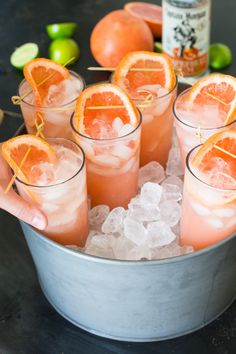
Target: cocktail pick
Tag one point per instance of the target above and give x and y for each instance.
(146, 103)
(98, 68)
(17, 99)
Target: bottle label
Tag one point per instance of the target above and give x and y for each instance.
(186, 37)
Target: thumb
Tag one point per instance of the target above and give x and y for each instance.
(23, 210)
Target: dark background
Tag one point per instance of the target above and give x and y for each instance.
(28, 324)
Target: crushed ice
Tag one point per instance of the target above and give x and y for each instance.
(149, 228)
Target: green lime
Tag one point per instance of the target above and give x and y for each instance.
(23, 54)
(61, 30)
(157, 47)
(220, 56)
(63, 49)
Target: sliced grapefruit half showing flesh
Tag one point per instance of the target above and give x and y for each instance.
(150, 13)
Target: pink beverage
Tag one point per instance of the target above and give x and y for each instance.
(197, 122)
(112, 161)
(57, 108)
(157, 125)
(209, 203)
(60, 191)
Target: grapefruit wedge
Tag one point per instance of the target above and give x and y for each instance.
(90, 122)
(30, 149)
(132, 80)
(42, 73)
(216, 160)
(150, 13)
(216, 88)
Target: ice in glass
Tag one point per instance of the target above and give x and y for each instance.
(209, 200)
(60, 191)
(110, 138)
(150, 81)
(57, 106)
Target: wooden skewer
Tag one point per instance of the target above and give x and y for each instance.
(94, 68)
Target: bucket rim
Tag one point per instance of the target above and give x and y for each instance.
(103, 260)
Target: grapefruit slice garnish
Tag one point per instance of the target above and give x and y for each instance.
(30, 149)
(89, 122)
(216, 162)
(150, 13)
(216, 88)
(46, 71)
(132, 80)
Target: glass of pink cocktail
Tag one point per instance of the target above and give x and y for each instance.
(111, 141)
(209, 199)
(56, 104)
(150, 81)
(59, 190)
(203, 110)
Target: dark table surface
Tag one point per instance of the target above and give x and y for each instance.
(28, 324)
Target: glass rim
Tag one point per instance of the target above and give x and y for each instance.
(191, 126)
(106, 139)
(156, 98)
(47, 108)
(189, 169)
(68, 179)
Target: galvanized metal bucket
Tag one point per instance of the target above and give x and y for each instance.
(136, 300)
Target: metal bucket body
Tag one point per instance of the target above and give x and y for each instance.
(136, 300)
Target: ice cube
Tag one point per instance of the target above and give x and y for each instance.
(121, 247)
(143, 211)
(223, 212)
(98, 215)
(62, 219)
(151, 172)
(141, 252)
(122, 151)
(216, 223)
(170, 212)
(100, 245)
(171, 250)
(114, 221)
(174, 180)
(171, 192)
(200, 209)
(147, 118)
(49, 207)
(174, 165)
(107, 160)
(117, 124)
(134, 231)
(159, 234)
(42, 174)
(151, 193)
(125, 130)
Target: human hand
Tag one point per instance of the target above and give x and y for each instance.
(15, 204)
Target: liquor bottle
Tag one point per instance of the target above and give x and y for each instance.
(186, 35)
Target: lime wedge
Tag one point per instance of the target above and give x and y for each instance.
(23, 54)
(63, 49)
(220, 56)
(157, 47)
(61, 30)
